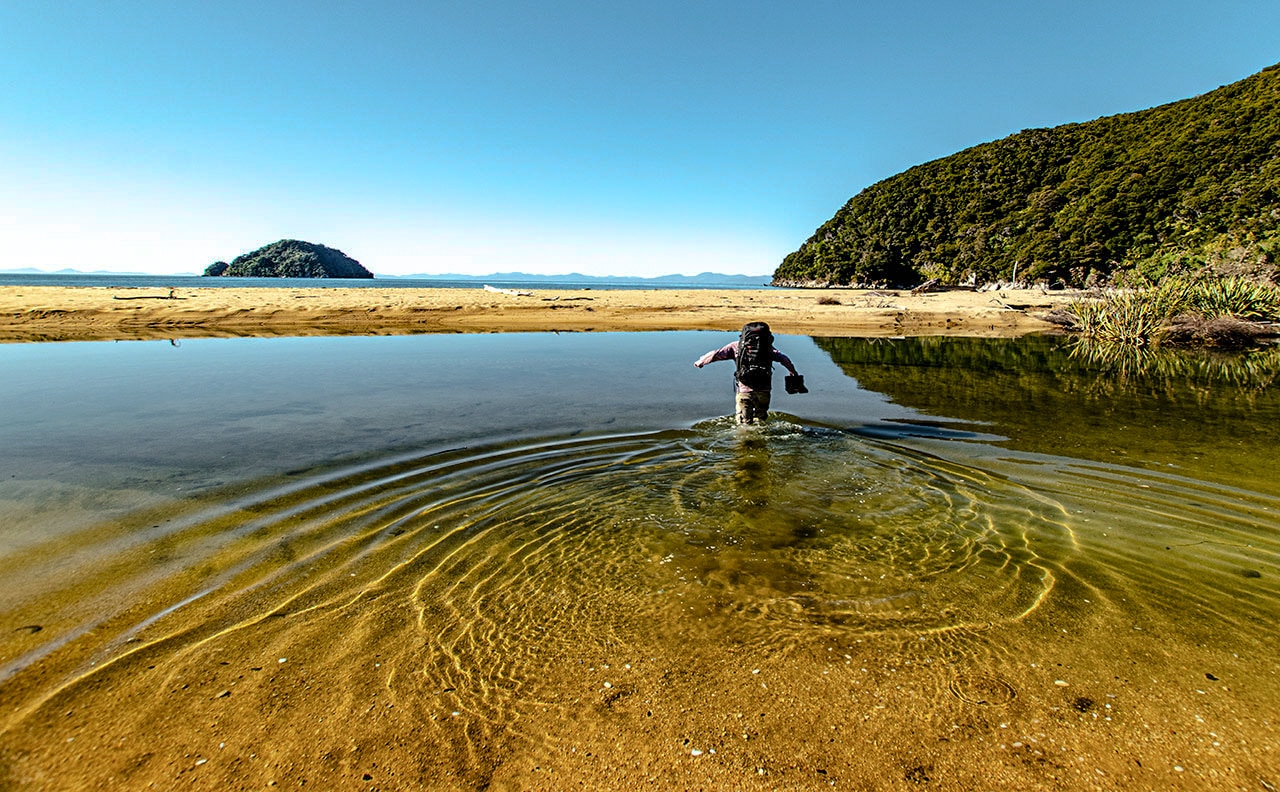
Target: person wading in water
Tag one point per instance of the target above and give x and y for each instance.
(755, 354)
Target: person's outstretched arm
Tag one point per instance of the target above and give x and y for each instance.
(785, 361)
(726, 352)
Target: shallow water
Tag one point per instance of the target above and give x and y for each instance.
(539, 561)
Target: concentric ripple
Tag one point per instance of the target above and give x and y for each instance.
(982, 690)
(483, 592)
(523, 552)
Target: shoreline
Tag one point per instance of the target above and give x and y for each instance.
(74, 313)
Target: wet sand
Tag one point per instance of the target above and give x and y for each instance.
(51, 313)
(358, 673)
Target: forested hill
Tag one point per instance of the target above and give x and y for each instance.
(291, 258)
(1175, 188)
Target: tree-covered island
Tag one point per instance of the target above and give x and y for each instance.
(291, 258)
(1178, 189)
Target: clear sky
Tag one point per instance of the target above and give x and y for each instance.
(636, 138)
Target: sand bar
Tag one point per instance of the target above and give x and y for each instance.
(57, 313)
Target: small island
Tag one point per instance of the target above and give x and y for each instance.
(290, 258)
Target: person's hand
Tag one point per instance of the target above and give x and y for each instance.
(697, 364)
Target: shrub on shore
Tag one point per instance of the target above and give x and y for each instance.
(1226, 312)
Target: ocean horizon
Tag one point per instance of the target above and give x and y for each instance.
(510, 280)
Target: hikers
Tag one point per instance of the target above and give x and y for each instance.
(754, 353)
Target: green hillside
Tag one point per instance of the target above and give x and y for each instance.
(1176, 188)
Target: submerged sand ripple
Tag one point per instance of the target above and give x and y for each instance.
(678, 610)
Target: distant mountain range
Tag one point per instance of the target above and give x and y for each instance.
(701, 279)
(705, 279)
(34, 271)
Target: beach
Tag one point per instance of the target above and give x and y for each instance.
(55, 313)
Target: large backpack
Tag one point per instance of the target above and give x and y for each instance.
(755, 356)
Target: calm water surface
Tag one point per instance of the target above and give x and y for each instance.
(543, 561)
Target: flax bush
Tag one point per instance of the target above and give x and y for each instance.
(1143, 316)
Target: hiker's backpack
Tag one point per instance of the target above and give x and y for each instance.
(755, 356)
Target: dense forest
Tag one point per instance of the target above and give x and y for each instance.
(291, 258)
(1175, 189)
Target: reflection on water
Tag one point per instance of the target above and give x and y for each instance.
(1204, 415)
(875, 605)
(1253, 369)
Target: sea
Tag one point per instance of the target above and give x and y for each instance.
(502, 281)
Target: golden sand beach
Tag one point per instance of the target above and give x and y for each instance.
(48, 313)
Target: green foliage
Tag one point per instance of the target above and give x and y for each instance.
(1242, 299)
(1142, 317)
(291, 258)
(1128, 317)
(1170, 190)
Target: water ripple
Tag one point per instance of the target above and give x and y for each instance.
(463, 583)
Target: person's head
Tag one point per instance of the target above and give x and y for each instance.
(757, 328)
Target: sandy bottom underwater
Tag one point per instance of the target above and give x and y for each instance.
(621, 613)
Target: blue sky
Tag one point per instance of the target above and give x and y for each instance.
(553, 137)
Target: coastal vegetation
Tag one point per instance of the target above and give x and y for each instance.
(1230, 312)
(291, 258)
(1183, 188)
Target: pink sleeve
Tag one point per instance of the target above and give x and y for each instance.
(726, 352)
